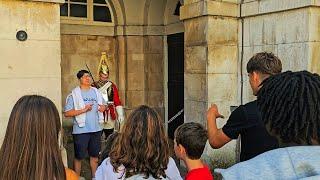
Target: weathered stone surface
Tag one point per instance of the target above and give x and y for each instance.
(155, 98)
(135, 98)
(194, 111)
(222, 31)
(74, 44)
(121, 40)
(314, 57)
(274, 5)
(222, 59)
(288, 30)
(72, 63)
(222, 90)
(18, 59)
(196, 31)
(154, 63)
(122, 71)
(212, 8)
(222, 87)
(84, 29)
(174, 28)
(136, 81)
(195, 87)
(196, 59)
(192, 10)
(153, 44)
(12, 91)
(225, 8)
(314, 31)
(264, 29)
(40, 20)
(155, 81)
(294, 56)
(135, 44)
(231, 1)
(102, 44)
(135, 62)
(190, 1)
(250, 8)
(122, 97)
(255, 7)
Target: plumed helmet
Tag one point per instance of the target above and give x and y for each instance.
(103, 65)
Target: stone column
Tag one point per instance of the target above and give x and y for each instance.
(31, 66)
(141, 71)
(211, 52)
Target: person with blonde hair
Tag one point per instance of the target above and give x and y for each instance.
(30, 148)
(140, 151)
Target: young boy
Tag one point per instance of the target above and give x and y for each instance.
(189, 142)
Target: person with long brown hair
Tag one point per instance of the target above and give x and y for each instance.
(140, 151)
(30, 149)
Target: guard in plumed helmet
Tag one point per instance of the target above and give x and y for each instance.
(114, 114)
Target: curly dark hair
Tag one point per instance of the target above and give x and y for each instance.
(142, 146)
(290, 106)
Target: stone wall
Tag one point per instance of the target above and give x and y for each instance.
(31, 66)
(289, 29)
(143, 63)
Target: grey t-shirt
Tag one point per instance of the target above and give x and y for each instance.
(92, 117)
(297, 162)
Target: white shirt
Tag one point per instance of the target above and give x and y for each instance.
(105, 172)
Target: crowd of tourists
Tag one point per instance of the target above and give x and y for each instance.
(280, 132)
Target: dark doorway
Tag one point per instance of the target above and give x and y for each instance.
(175, 81)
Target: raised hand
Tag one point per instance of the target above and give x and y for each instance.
(213, 112)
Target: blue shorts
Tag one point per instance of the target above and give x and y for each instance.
(90, 142)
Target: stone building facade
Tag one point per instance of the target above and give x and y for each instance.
(136, 40)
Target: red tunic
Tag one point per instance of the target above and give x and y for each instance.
(112, 96)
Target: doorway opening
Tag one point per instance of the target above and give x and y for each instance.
(175, 82)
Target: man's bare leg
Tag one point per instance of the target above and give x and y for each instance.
(93, 165)
(77, 166)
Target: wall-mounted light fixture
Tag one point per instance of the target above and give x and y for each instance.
(22, 35)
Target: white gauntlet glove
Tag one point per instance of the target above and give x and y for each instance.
(120, 113)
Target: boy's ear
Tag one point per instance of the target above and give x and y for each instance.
(182, 149)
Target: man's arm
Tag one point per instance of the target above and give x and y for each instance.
(73, 112)
(216, 136)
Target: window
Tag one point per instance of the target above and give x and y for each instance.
(86, 11)
(101, 11)
(74, 8)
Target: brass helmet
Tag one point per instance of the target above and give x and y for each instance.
(103, 65)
